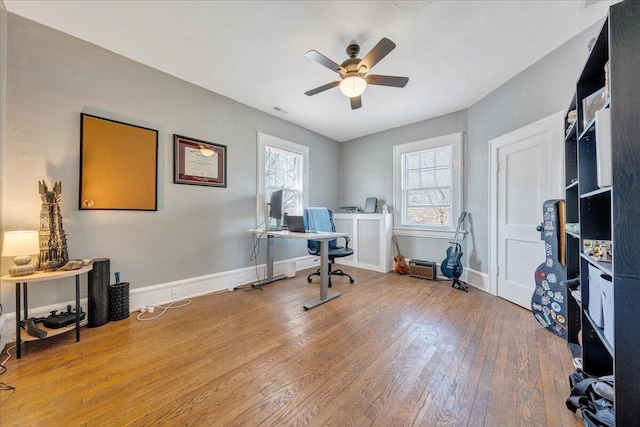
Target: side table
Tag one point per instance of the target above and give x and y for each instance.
(21, 282)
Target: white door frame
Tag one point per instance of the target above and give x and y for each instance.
(554, 122)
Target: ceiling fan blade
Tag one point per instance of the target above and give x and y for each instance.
(322, 88)
(356, 102)
(394, 81)
(323, 60)
(378, 52)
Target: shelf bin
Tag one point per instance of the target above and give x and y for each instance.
(595, 296)
(606, 286)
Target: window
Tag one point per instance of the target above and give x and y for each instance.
(282, 165)
(428, 186)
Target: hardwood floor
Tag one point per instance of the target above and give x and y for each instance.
(391, 351)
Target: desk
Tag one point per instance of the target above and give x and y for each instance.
(42, 277)
(320, 236)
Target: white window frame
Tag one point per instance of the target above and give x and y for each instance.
(455, 140)
(265, 140)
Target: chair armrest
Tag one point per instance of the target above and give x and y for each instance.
(346, 241)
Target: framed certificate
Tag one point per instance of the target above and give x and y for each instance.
(198, 162)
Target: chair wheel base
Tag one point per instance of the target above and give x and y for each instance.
(338, 272)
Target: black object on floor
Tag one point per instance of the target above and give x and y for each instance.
(459, 284)
(119, 301)
(98, 296)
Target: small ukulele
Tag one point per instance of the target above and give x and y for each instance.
(400, 265)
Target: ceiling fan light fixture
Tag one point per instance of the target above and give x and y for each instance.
(206, 152)
(353, 86)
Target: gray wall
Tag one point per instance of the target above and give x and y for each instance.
(539, 91)
(366, 170)
(52, 78)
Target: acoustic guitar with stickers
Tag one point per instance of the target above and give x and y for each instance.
(549, 300)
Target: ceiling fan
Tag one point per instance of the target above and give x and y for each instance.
(354, 71)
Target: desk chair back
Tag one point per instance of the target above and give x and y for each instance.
(319, 219)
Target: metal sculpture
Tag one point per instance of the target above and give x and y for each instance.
(53, 240)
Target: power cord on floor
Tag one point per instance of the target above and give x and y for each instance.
(7, 359)
(3, 369)
(164, 310)
(254, 257)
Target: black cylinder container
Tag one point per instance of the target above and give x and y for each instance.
(98, 293)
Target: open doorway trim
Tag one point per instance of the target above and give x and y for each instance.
(553, 122)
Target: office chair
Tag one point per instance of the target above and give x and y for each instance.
(321, 219)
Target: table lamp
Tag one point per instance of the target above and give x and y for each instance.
(21, 245)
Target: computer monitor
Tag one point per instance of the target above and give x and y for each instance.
(273, 209)
(275, 205)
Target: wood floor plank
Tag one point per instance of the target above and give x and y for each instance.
(391, 351)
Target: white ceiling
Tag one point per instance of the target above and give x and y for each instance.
(454, 52)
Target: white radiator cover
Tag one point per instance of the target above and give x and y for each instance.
(370, 236)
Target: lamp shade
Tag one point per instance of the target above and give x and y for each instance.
(353, 86)
(17, 243)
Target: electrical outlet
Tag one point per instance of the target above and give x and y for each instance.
(174, 294)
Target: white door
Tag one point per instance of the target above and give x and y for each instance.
(528, 169)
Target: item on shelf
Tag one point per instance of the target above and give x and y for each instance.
(29, 325)
(75, 264)
(599, 250)
(607, 85)
(59, 320)
(577, 295)
(573, 227)
(580, 337)
(53, 239)
(571, 283)
(603, 148)
(572, 116)
(591, 104)
(350, 209)
(371, 205)
(606, 289)
(595, 300)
